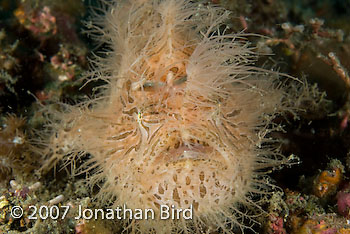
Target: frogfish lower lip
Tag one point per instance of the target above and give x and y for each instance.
(192, 152)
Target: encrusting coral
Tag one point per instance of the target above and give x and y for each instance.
(183, 120)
